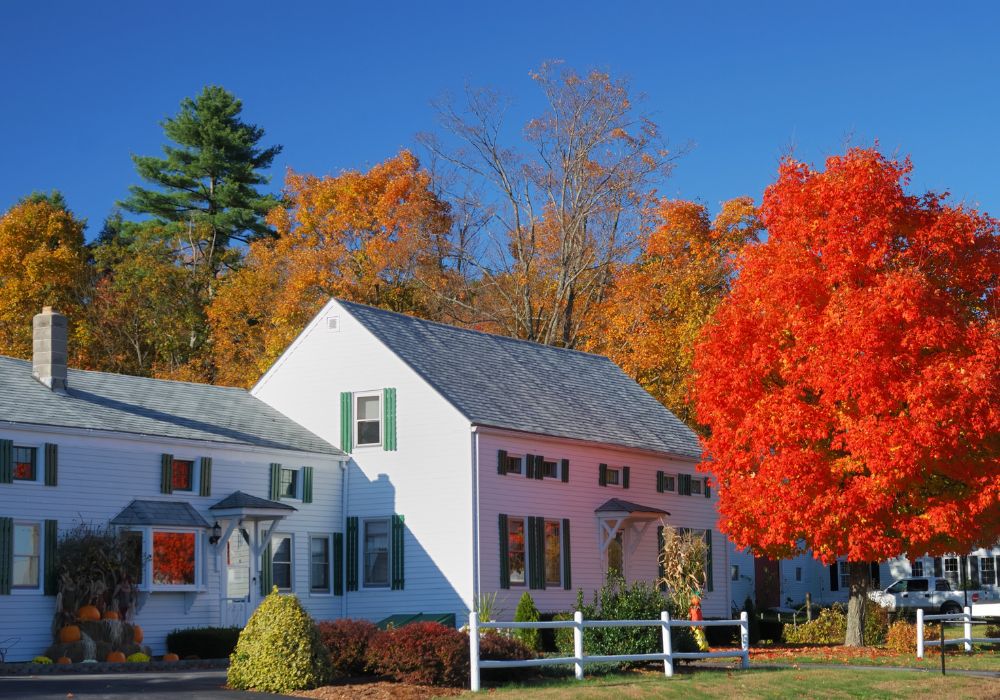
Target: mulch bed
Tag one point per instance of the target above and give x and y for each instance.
(376, 689)
(32, 669)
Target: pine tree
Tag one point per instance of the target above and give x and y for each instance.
(207, 185)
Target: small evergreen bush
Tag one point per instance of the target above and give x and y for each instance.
(347, 642)
(279, 650)
(425, 653)
(527, 612)
(203, 642)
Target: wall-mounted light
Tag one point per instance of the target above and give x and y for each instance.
(216, 533)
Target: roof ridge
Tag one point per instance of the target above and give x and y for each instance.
(463, 329)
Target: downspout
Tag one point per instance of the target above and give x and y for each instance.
(345, 481)
(475, 519)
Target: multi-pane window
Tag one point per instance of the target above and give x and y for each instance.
(515, 551)
(612, 477)
(845, 575)
(669, 482)
(25, 463)
(174, 558)
(183, 475)
(798, 573)
(319, 564)
(376, 553)
(988, 571)
(281, 562)
(696, 487)
(514, 465)
(369, 419)
(734, 572)
(553, 553)
(550, 470)
(288, 483)
(27, 555)
(917, 567)
(951, 570)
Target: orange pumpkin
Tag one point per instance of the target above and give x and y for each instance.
(137, 634)
(64, 660)
(89, 613)
(111, 615)
(69, 634)
(116, 657)
(170, 657)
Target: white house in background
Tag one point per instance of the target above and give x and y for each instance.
(167, 461)
(481, 464)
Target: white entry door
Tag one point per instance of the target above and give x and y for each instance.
(236, 605)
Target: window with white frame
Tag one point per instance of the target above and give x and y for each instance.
(27, 556)
(734, 572)
(515, 551)
(515, 465)
(988, 571)
(917, 567)
(182, 478)
(281, 561)
(845, 574)
(550, 470)
(25, 463)
(951, 570)
(612, 477)
(376, 541)
(368, 412)
(669, 482)
(798, 573)
(174, 558)
(319, 564)
(288, 483)
(696, 487)
(553, 553)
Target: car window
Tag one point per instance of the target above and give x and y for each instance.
(917, 584)
(898, 587)
(943, 585)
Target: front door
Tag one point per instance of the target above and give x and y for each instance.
(616, 557)
(236, 605)
(767, 576)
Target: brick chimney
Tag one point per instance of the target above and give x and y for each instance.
(48, 362)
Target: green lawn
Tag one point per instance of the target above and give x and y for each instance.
(786, 683)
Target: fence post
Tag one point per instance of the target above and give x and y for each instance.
(920, 633)
(745, 639)
(474, 650)
(809, 607)
(668, 650)
(578, 644)
(968, 629)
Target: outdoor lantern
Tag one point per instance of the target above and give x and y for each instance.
(216, 533)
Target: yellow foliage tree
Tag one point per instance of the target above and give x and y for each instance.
(42, 263)
(649, 321)
(377, 237)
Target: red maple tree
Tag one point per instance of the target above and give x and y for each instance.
(851, 380)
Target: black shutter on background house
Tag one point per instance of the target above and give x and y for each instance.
(876, 575)
(834, 577)
(602, 475)
(625, 474)
(539, 467)
(938, 567)
(529, 466)
(501, 462)
(659, 482)
(709, 578)
(564, 474)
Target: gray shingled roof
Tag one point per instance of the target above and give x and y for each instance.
(508, 383)
(122, 403)
(238, 499)
(617, 505)
(175, 513)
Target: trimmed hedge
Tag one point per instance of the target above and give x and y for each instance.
(425, 653)
(347, 641)
(203, 642)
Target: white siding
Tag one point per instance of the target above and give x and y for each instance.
(428, 479)
(516, 495)
(100, 474)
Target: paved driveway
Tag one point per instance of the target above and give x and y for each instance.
(147, 686)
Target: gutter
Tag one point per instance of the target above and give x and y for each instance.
(345, 478)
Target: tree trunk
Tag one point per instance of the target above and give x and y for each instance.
(860, 572)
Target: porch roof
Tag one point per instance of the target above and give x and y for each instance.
(169, 513)
(617, 505)
(238, 500)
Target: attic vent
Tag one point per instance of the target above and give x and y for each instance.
(333, 323)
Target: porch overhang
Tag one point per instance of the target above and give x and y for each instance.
(615, 514)
(239, 508)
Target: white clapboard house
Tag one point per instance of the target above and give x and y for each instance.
(483, 464)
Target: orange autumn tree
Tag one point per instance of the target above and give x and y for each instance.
(658, 303)
(851, 381)
(376, 237)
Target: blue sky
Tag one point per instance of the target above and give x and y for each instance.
(345, 85)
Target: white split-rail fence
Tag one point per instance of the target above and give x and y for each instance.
(965, 617)
(668, 656)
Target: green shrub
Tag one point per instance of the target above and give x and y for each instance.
(499, 647)
(830, 627)
(41, 660)
(279, 650)
(347, 642)
(992, 631)
(426, 653)
(137, 658)
(204, 642)
(527, 612)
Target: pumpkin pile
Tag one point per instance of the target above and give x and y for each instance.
(96, 636)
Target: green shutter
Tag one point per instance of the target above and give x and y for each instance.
(567, 567)
(529, 466)
(274, 489)
(661, 570)
(683, 484)
(501, 462)
(166, 473)
(540, 552)
(51, 538)
(389, 422)
(504, 535)
(398, 549)
(602, 475)
(531, 545)
(51, 464)
(625, 473)
(565, 471)
(708, 489)
(307, 484)
(346, 420)
(708, 572)
(539, 467)
(6, 554)
(352, 554)
(205, 487)
(266, 571)
(6, 461)
(338, 563)
(660, 478)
